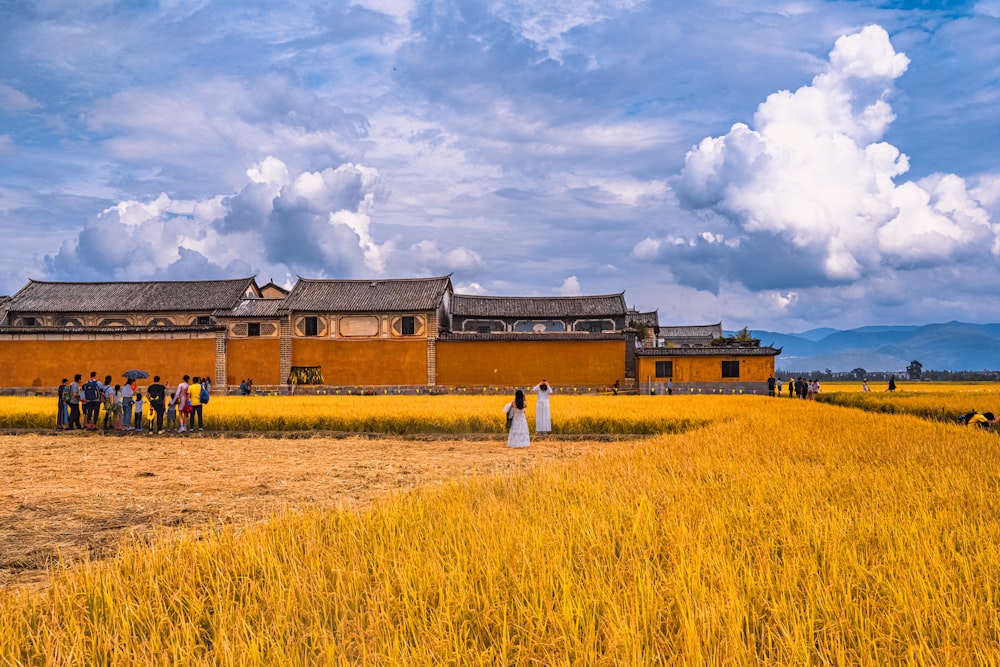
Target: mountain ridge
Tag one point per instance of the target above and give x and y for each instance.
(947, 346)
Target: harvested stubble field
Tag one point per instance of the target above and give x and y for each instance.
(69, 497)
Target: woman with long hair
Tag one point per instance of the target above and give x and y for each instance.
(518, 436)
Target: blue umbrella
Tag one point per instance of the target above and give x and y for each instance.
(135, 375)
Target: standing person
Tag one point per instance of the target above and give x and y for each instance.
(172, 413)
(864, 385)
(116, 409)
(62, 405)
(777, 383)
(108, 394)
(249, 386)
(92, 390)
(791, 387)
(892, 383)
(128, 397)
(157, 394)
(74, 403)
(518, 435)
(771, 383)
(183, 409)
(543, 415)
(195, 397)
(243, 388)
(615, 387)
(670, 386)
(139, 406)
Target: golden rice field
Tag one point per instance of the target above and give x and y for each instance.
(772, 531)
(938, 401)
(400, 415)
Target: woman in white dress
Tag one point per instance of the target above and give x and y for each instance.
(543, 416)
(518, 435)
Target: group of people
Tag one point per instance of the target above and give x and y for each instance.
(518, 434)
(797, 387)
(125, 407)
(246, 387)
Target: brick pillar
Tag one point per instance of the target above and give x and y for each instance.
(432, 334)
(220, 357)
(285, 334)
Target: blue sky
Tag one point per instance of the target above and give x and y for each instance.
(778, 165)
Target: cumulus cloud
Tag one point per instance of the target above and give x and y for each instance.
(813, 174)
(570, 287)
(318, 224)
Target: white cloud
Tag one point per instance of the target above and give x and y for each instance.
(813, 171)
(570, 287)
(13, 100)
(312, 223)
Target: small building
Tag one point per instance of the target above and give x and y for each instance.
(511, 340)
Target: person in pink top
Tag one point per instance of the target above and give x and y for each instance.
(182, 403)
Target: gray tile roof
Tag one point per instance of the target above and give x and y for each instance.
(464, 305)
(696, 331)
(346, 296)
(531, 337)
(707, 351)
(253, 309)
(120, 297)
(651, 318)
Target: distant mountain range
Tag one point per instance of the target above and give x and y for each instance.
(953, 346)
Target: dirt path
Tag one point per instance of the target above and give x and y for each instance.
(78, 495)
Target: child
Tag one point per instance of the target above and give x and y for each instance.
(139, 406)
(172, 413)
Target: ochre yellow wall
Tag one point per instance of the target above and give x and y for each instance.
(43, 363)
(257, 358)
(379, 362)
(706, 369)
(561, 362)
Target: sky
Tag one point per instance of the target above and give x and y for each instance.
(776, 165)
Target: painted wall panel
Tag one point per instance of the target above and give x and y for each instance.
(370, 362)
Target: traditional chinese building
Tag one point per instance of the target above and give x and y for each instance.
(354, 333)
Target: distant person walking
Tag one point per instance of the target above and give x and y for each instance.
(543, 414)
(518, 436)
(892, 383)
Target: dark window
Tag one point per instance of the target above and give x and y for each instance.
(253, 329)
(312, 326)
(203, 320)
(482, 328)
(28, 321)
(408, 325)
(664, 369)
(730, 369)
(595, 327)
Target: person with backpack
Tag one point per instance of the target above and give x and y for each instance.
(92, 396)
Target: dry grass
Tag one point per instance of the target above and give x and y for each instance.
(76, 496)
